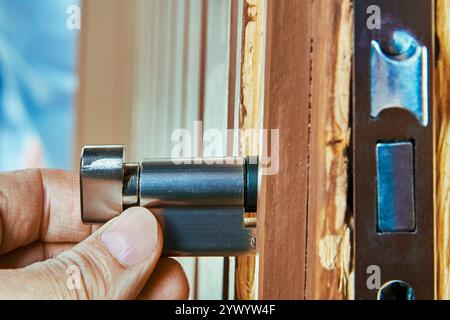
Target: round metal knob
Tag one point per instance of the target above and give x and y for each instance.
(101, 182)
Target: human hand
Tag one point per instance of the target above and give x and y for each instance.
(47, 253)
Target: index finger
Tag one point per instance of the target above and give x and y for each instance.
(39, 204)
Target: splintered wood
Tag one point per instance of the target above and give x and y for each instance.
(249, 119)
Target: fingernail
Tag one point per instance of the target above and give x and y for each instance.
(133, 237)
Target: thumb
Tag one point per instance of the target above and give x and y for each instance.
(113, 263)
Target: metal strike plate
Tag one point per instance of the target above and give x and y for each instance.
(199, 203)
(393, 149)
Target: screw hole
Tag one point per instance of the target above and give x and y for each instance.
(399, 44)
(396, 290)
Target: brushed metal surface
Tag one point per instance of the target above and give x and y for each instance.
(395, 187)
(400, 81)
(205, 231)
(165, 184)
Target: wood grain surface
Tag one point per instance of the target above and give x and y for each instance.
(250, 119)
(282, 208)
(329, 253)
(443, 149)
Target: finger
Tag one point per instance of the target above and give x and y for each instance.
(39, 204)
(113, 263)
(167, 282)
(35, 252)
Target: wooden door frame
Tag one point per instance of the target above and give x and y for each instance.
(304, 221)
(442, 98)
(282, 210)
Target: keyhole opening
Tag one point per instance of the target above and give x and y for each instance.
(396, 290)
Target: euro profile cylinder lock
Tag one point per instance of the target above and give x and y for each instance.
(199, 203)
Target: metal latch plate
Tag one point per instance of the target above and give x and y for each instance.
(384, 115)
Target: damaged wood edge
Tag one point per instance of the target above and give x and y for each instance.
(443, 150)
(249, 119)
(329, 265)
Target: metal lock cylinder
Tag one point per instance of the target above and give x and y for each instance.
(199, 203)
